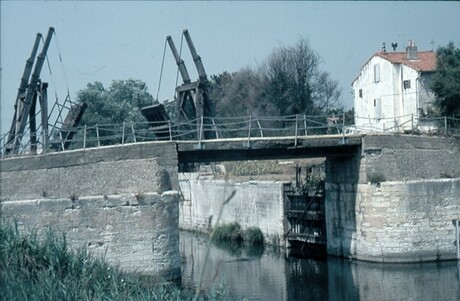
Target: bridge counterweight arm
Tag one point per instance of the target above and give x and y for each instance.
(23, 85)
(32, 89)
(179, 61)
(196, 58)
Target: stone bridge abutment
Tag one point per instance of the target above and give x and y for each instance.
(395, 200)
(116, 201)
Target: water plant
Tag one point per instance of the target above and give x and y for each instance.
(226, 232)
(233, 232)
(253, 236)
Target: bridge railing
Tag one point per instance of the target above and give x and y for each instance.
(247, 127)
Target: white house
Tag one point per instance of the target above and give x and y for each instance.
(393, 89)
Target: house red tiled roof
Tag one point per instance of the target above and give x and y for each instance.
(425, 62)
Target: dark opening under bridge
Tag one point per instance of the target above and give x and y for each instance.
(234, 149)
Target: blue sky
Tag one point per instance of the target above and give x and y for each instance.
(105, 41)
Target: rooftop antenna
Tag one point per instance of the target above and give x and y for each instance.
(432, 45)
(394, 45)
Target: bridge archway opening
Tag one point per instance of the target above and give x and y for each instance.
(312, 218)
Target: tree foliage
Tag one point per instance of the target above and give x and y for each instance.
(295, 82)
(121, 102)
(446, 81)
(288, 82)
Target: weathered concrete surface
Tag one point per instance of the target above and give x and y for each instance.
(405, 157)
(138, 233)
(255, 204)
(133, 168)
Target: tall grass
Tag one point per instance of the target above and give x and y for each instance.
(47, 269)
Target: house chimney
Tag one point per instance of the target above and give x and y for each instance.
(411, 51)
(384, 48)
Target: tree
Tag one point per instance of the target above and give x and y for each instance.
(121, 102)
(295, 82)
(446, 81)
(288, 82)
(238, 94)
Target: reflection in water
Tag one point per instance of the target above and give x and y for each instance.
(266, 274)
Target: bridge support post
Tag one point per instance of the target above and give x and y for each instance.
(456, 223)
(342, 176)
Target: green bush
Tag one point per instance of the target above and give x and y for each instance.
(228, 232)
(253, 236)
(234, 233)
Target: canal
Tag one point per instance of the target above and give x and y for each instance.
(269, 274)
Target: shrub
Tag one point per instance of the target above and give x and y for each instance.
(233, 233)
(225, 232)
(375, 177)
(253, 236)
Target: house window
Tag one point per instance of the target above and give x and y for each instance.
(406, 84)
(360, 93)
(377, 109)
(376, 73)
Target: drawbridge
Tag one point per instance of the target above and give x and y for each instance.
(31, 106)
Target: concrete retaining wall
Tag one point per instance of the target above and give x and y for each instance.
(255, 204)
(138, 233)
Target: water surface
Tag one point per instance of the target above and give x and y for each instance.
(269, 274)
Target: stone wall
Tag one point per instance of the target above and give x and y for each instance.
(407, 221)
(104, 199)
(131, 168)
(395, 200)
(255, 204)
(138, 233)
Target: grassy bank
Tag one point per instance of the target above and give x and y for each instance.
(47, 269)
